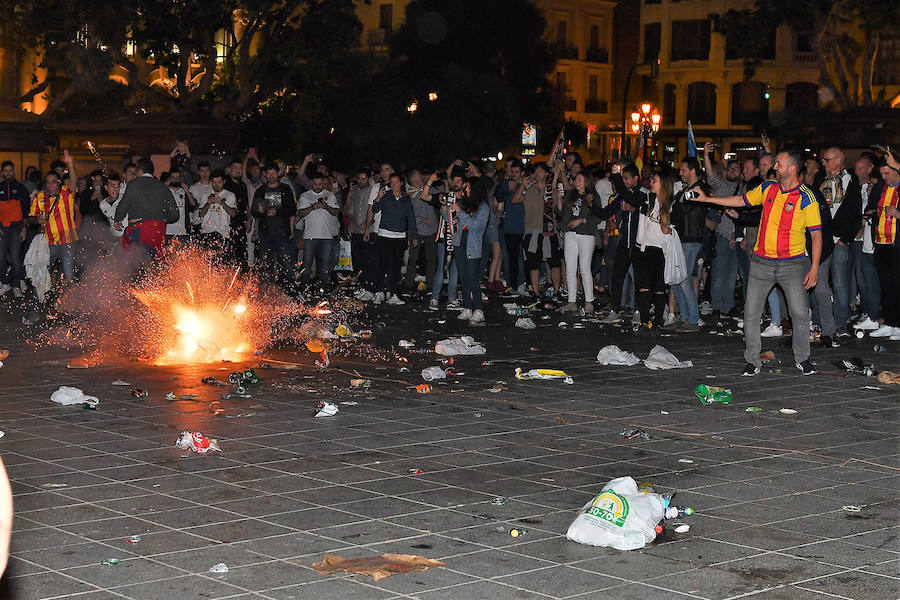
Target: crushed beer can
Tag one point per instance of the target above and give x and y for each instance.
(136, 393)
(248, 377)
(196, 441)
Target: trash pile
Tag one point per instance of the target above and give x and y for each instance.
(658, 359)
(196, 442)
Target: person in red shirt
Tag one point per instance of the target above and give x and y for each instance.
(789, 210)
(56, 210)
(884, 211)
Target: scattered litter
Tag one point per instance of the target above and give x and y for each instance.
(424, 388)
(858, 415)
(110, 562)
(53, 486)
(871, 387)
(171, 397)
(240, 393)
(767, 355)
(216, 407)
(686, 461)
(4, 354)
(660, 359)
(136, 393)
(561, 420)
(461, 346)
(889, 377)
(618, 517)
(682, 527)
(631, 433)
(516, 532)
(432, 373)
(856, 366)
(414, 471)
(343, 331)
(525, 323)
(133, 539)
(499, 501)
(120, 382)
(543, 374)
(349, 403)
(219, 568)
(197, 442)
(496, 389)
(853, 507)
(613, 355)
(212, 381)
(70, 396)
(753, 409)
(788, 411)
(709, 394)
(378, 567)
(248, 377)
(326, 409)
(406, 344)
(663, 412)
(360, 383)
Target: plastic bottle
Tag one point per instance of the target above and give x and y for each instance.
(674, 512)
(423, 388)
(879, 348)
(518, 312)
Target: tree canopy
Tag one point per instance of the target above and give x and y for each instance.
(846, 37)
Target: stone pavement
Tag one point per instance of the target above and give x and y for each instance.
(287, 488)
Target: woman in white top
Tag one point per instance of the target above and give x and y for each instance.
(649, 260)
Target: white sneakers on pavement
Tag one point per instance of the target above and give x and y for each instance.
(379, 297)
(772, 330)
(395, 300)
(465, 314)
(885, 331)
(477, 316)
(867, 324)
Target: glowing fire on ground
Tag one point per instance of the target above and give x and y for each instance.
(205, 313)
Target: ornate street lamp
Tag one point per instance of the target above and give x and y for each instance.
(645, 120)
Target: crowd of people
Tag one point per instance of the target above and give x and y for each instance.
(807, 236)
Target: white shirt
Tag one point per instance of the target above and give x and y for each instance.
(178, 227)
(319, 223)
(216, 220)
(868, 246)
(109, 211)
(604, 189)
(373, 194)
(834, 206)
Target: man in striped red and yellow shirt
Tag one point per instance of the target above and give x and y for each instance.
(56, 210)
(884, 211)
(789, 210)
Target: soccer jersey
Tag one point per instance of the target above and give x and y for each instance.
(885, 225)
(786, 216)
(61, 221)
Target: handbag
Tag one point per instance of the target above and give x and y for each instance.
(676, 268)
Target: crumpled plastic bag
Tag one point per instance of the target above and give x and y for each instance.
(660, 359)
(525, 323)
(196, 442)
(613, 355)
(69, 396)
(461, 346)
(378, 567)
(37, 265)
(326, 409)
(543, 374)
(618, 517)
(889, 377)
(432, 373)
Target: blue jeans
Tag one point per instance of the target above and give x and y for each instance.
(470, 275)
(724, 269)
(439, 274)
(275, 258)
(320, 251)
(685, 295)
(841, 270)
(364, 256)
(871, 288)
(63, 254)
(11, 254)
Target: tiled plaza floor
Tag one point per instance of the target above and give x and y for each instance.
(288, 488)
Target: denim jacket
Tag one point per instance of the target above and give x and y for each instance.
(476, 225)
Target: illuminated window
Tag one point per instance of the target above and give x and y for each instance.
(223, 43)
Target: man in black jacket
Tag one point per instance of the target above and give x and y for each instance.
(149, 205)
(843, 195)
(629, 199)
(275, 207)
(689, 220)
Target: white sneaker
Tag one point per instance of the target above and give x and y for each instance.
(867, 324)
(395, 300)
(477, 316)
(453, 305)
(433, 304)
(895, 337)
(4, 288)
(368, 297)
(17, 292)
(883, 331)
(701, 323)
(772, 330)
(379, 297)
(612, 318)
(670, 318)
(636, 318)
(464, 315)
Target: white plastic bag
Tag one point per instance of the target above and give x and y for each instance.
(69, 396)
(613, 355)
(525, 323)
(461, 346)
(618, 517)
(37, 265)
(660, 359)
(675, 270)
(432, 373)
(345, 261)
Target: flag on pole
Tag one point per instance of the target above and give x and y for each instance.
(692, 143)
(639, 159)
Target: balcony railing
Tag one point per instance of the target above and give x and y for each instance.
(805, 57)
(598, 55)
(570, 105)
(596, 106)
(567, 51)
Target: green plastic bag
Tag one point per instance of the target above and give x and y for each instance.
(708, 394)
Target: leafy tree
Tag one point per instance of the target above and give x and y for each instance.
(846, 38)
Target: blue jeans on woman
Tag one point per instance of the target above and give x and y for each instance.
(871, 288)
(438, 282)
(470, 275)
(724, 269)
